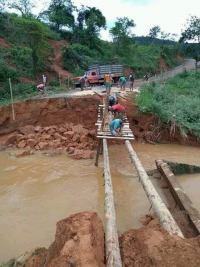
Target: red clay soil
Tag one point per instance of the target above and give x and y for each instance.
(151, 246)
(69, 123)
(79, 241)
(4, 43)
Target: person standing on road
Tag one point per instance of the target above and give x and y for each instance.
(107, 80)
(122, 81)
(118, 111)
(83, 82)
(131, 79)
(116, 127)
(44, 79)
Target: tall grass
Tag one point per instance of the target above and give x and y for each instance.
(179, 96)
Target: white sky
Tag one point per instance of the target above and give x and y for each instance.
(170, 15)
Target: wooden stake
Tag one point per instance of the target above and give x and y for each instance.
(98, 152)
(113, 258)
(11, 95)
(163, 214)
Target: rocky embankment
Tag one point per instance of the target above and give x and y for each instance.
(74, 139)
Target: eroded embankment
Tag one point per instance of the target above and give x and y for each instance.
(79, 241)
(68, 123)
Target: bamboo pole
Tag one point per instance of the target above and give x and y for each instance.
(113, 258)
(11, 95)
(163, 214)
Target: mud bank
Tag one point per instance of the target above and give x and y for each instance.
(79, 241)
(80, 112)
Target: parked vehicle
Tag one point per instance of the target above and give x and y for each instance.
(96, 72)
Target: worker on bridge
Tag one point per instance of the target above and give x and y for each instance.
(112, 100)
(118, 110)
(116, 127)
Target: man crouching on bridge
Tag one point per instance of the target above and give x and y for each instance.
(116, 127)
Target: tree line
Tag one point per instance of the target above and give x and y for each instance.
(81, 27)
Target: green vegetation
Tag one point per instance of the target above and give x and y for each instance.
(179, 96)
(11, 263)
(30, 53)
(192, 33)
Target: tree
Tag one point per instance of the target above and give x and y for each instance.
(90, 21)
(153, 33)
(123, 27)
(192, 33)
(24, 6)
(59, 13)
(2, 4)
(33, 35)
(122, 34)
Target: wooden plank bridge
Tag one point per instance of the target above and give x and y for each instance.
(113, 258)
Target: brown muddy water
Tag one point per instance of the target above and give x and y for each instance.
(36, 191)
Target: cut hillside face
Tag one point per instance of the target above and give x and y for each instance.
(56, 117)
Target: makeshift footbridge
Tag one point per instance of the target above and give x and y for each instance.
(113, 258)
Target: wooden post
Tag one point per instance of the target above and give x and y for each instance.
(101, 148)
(105, 109)
(59, 79)
(11, 96)
(163, 214)
(113, 258)
(98, 152)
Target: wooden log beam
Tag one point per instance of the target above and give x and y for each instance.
(179, 195)
(113, 258)
(163, 214)
(115, 137)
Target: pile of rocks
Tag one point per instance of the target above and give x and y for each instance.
(65, 137)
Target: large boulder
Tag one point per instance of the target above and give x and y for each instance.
(79, 242)
(82, 154)
(11, 139)
(28, 129)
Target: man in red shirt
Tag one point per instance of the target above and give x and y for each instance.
(118, 111)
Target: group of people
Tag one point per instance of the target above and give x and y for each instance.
(108, 79)
(119, 116)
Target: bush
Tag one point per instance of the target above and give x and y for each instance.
(77, 56)
(180, 96)
(54, 83)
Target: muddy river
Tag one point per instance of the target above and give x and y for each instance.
(36, 191)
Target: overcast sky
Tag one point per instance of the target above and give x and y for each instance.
(170, 15)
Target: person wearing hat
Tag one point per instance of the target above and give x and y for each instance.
(118, 110)
(116, 127)
(112, 100)
(131, 79)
